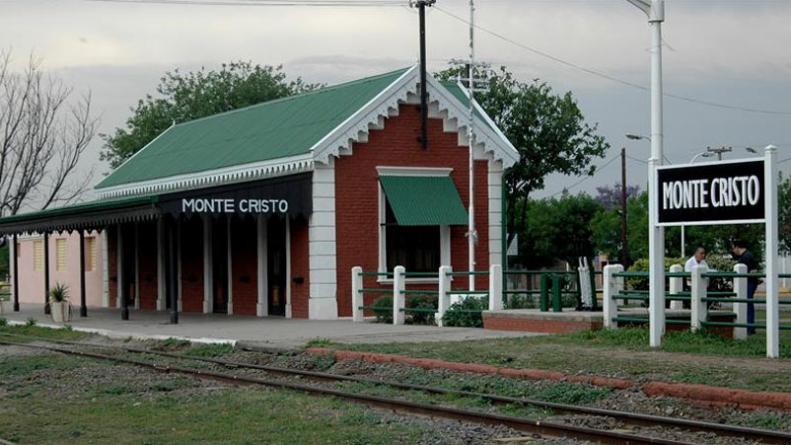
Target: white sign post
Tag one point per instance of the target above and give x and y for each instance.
(724, 192)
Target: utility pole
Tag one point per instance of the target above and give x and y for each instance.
(421, 5)
(624, 237)
(472, 235)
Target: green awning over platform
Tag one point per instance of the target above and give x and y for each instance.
(424, 200)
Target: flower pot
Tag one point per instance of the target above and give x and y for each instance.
(60, 311)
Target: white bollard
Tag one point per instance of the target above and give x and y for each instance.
(612, 286)
(399, 298)
(676, 287)
(443, 299)
(740, 309)
(357, 294)
(495, 287)
(699, 309)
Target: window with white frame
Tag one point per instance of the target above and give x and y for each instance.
(417, 248)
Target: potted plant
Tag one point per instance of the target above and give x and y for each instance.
(60, 309)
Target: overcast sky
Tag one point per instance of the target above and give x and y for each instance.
(733, 52)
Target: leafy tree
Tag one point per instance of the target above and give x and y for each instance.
(606, 228)
(557, 230)
(548, 129)
(784, 213)
(610, 196)
(186, 96)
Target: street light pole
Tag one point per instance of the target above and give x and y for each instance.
(655, 10)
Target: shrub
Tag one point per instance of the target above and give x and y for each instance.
(30, 322)
(423, 302)
(383, 309)
(3, 322)
(466, 313)
(59, 293)
(641, 265)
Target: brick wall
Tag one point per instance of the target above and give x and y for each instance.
(357, 195)
(244, 249)
(192, 265)
(112, 264)
(299, 268)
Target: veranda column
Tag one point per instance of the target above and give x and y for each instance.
(137, 266)
(179, 281)
(161, 265)
(208, 278)
(288, 267)
(83, 306)
(46, 273)
(262, 307)
(15, 265)
(229, 239)
(119, 252)
(173, 274)
(123, 297)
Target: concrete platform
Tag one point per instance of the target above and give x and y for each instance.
(569, 321)
(275, 332)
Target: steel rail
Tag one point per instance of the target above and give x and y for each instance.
(765, 436)
(404, 406)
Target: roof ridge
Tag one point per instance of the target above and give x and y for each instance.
(295, 96)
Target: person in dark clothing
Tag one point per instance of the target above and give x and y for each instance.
(744, 256)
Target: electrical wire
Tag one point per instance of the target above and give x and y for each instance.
(609, 77)
(576, 184)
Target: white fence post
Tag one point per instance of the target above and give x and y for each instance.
(676, 287)
(587, 294)
(357, 294)
(496, 287)
(698, 306)
(740, 309)
(771, 280)
(443, 298)
(399, 298)
(612, 286)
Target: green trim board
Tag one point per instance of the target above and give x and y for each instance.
(424, 200)
(270, 130)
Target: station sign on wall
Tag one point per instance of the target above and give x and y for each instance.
(725, 192)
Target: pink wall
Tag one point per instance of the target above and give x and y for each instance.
(31, 282)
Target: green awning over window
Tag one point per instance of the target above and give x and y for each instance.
(424, 200)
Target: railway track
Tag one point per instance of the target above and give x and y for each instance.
(518, 423)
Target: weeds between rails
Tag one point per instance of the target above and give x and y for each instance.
(765, 436)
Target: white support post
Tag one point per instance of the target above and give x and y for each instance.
(179, 280)
(676, 287)
(208, 271)
(495, 287)
(399, 298)
(262, 304)
(698, 306)
(161, 266)
(771, 282)
(740, 309)
(105, 271)
(612, 286)
(443, 297)
(357, 294)
(289, 312)
(228, 243)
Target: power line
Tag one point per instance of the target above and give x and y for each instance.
(610, 77)
(602, 167)
(336, 3)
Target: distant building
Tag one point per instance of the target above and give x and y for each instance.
(264, 210)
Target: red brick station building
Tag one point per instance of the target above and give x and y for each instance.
(264, 210)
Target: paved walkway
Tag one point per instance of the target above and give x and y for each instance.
(271, 331)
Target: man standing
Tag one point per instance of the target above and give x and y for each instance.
(744, 256)
(698, 259)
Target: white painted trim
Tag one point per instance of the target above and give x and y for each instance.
(358, 123)
(262, 306)
(208, 273)
(238, 173)
(495, 187)
(413, 171)
(229, 241)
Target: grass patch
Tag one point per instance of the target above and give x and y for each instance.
(26, 365)
(167, 414)
(168, 344)
(319, 343)
(209, 350)
(38, 331)
(571, 393)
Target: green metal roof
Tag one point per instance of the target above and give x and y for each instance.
(269, 130)
(90, 206)
(424, 200)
